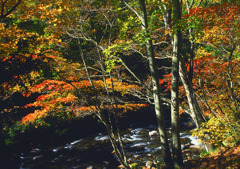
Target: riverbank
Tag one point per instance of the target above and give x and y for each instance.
(222, 158)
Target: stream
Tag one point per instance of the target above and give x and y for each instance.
(95, 151)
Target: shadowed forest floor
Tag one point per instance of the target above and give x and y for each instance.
(221, 159)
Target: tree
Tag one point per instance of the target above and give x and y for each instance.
(73, 92)
(156, 89)
(219, 48)
(177, 41)
(56, 49)
(209, 45)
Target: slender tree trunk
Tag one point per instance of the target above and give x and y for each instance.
(107, 121)
(192, 55)
(195, 110)
(176, 144)
(230, 82)
(156, 90)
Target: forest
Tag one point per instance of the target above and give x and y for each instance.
(70, 68)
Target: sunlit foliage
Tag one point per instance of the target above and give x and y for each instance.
(217, 72)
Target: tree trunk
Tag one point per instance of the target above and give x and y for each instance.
(195, 110)
(156, 90)
(192, 54)
(106, 120)
(176, 144)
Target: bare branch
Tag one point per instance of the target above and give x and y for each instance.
(199, 3)
(132, 9)
(2, 16)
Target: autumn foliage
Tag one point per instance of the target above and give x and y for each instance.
(42, 50)
(59, 96)
(216, 71)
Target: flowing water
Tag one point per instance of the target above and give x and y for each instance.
(95, 151)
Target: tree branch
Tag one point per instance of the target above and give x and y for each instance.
(2, 16)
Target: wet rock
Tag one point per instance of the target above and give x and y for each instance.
(149, 164)
(185, 146)
(35, 150)
(152, 133)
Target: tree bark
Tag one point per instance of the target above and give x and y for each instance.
(176, 144)
(195, 110)
(156, 90)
